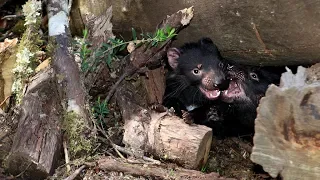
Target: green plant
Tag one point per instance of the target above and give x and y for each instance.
(100, 110)
(204, 168)
(109, 50)
(84, 52)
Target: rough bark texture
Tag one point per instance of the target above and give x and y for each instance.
(37, 143)
(254, 32)
(72, 94)
(154, 82)
(155, 171)
(287, 127)
(162, 134)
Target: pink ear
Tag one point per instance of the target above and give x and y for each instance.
(173, 54)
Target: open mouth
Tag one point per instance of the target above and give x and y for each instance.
(233, 92)
(210, 94)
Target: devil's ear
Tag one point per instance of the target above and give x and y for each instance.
(173, 55)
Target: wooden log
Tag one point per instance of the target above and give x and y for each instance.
(77, 122)
(156, 171)
(162, 134)
(37, 142)
(287, 128)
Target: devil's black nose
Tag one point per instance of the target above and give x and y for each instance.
(223, 85)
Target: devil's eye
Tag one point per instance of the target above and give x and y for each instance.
(196, 71)
(254, 76)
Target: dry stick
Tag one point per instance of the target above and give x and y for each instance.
(66, 155)
(75, 173)
(124, 150)
(4, 100)
(131, 71)
(122, 77)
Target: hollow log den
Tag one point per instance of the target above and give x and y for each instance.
(130, 89)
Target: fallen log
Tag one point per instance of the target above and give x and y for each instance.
(287, 128)
(156, 171)
(76, 122)
(162, 134)
(37, 142)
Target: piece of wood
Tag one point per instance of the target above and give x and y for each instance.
(154, 83)
(72, 91)
(37, 142)
(287, 129)
(155, 171)
(162, 134)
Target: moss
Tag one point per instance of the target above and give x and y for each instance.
(79, 142)
(19, 27)
(28, 46)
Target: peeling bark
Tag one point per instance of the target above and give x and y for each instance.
(287, 128)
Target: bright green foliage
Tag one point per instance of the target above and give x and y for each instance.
(109, 51)
(100, 110)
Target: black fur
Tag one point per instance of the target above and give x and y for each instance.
(182, 86)
(240, 112)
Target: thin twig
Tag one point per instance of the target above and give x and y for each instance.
(66, 155)
(75, 173)
(11, 16)
(20, 174)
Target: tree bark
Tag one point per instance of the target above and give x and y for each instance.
(162, 134)
(72, 94)
(287, 128)
(37, 143)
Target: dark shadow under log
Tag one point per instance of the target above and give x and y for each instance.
(37, 143)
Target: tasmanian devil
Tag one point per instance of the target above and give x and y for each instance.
(196, 77)
(247, 85)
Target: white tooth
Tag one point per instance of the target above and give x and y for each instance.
(218, 93)
(226, 92)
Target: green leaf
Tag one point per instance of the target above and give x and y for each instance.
(172, 31)
(85, 33)
(134, 34)
(153, 43)
(109, 58)
(123, 47)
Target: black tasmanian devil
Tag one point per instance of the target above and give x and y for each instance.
(197, 76)
(247, 85)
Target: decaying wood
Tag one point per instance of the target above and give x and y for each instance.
(287, 127)
(100, 30)
(156, 171)
(162, 134)
(154, 82)
(73, 94)
(37, 142)
(151, 57)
